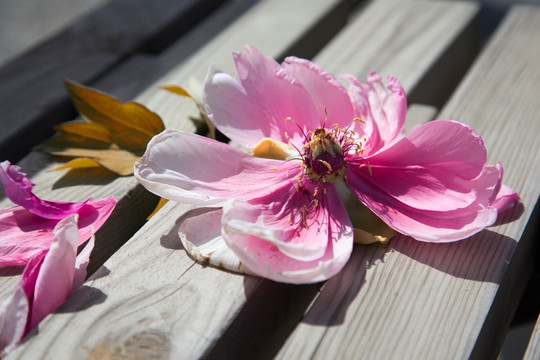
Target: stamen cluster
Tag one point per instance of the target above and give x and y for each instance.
(325, 151)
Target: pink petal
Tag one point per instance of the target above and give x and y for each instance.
(196, 170)
(438, 159)
(24, 235)
(55, 278)
(325, 91)
(272, 245)
(19, 190)
(234, 113)
(506, 199)
(432, 185)
(279, 93)
(13, 315)
(383, 112)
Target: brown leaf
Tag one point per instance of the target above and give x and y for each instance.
(112, 134)
(131, 125)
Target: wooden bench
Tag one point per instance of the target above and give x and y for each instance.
(148, 299)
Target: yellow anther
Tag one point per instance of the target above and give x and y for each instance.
(358, 119)
(288, 118)
(325, 163)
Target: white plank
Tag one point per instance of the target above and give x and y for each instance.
(416, 300)
(135, 202)
(183, 307)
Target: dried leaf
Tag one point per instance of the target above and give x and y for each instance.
(195, 88)
(113, 134)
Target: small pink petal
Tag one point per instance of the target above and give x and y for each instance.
(325, 91)
(24, 235)
(19, 190)
(55, 278)
(13, 315)
(270, 246)
(196, 170)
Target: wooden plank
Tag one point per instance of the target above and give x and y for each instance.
(23, 24)
(151, 293)
(533, 349)
(32, 95)
(420, 300)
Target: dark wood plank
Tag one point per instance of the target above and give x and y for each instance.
(32, 95)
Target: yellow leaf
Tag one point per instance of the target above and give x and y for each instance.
(178, 90)
(78, 164)
(131, 125)
(86, 130)
(116, 160)
(112, 134)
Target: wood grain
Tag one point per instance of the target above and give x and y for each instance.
(418, 300)
(150, 292)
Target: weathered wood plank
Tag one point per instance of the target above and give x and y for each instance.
(151, 293)
(32, 96)
(533, 349)
(420, 300)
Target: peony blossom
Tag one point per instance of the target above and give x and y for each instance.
(280, 212)
(47, 281)
(27, 229)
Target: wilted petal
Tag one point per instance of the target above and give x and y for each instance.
(13, 315)
(200, 233)
(192, 169)
(276, 239)
(19, 190)
(24, 235)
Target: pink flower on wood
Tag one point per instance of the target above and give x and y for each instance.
(27, 229)
(47, 281)
(282, 216)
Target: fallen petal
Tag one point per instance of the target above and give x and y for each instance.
(19, 190)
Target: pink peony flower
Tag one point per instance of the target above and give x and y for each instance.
(282, 216)
(27, 229)
(47, 281)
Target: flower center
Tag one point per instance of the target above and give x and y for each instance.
(323, 156)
